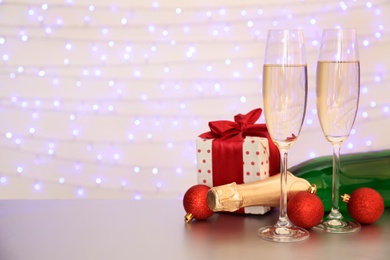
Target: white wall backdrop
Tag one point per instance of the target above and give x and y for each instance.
(104, 99)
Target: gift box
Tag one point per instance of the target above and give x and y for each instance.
(239, 151)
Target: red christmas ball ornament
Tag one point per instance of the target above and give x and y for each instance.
(195, 203)
(365, 205)
(305, 209)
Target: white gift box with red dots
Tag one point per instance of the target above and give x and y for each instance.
(255, 164)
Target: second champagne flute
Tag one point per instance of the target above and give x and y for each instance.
(338, 87)
(285, 97)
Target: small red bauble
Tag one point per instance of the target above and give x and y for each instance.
(195, 203)
(305, 209)
(365, 205)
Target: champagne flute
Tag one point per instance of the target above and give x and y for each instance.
(285, 97)
(338, 84)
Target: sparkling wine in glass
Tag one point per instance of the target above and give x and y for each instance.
(338, 84)
(284, 97)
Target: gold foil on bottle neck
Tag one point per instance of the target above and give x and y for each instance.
(231, 197)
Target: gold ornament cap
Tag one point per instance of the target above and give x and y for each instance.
(313, 189)
(345, 198)
(188, 217)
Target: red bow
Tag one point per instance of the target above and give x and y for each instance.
(243, 125)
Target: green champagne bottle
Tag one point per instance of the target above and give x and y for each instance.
(368, 169)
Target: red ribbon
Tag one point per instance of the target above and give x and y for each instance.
(228, 137)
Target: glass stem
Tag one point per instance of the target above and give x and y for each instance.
(335, 213)
(283, 219)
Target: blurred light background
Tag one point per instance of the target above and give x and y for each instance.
(105, 99)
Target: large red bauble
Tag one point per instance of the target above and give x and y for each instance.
(365, 205)
(195, 202)
(305, 209)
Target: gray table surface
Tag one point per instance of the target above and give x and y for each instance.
(155, 229)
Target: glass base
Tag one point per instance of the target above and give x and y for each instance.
(338, 226)
(283, 234)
